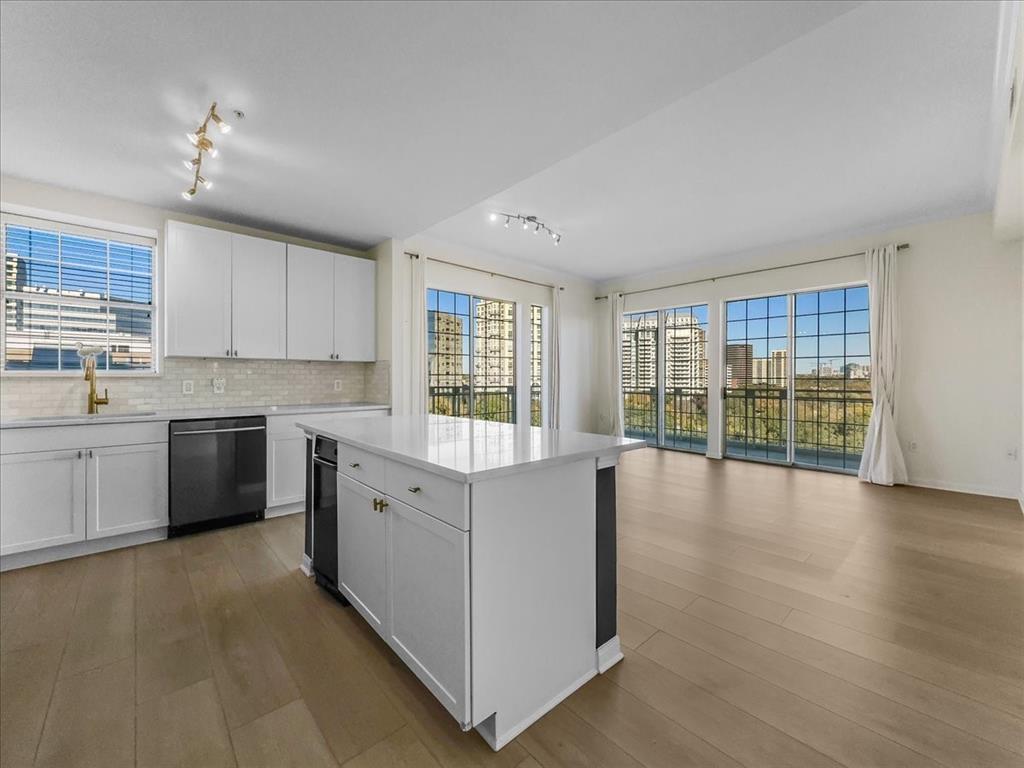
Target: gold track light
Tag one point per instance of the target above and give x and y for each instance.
(203, 144)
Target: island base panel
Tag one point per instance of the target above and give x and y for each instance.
(606, 560)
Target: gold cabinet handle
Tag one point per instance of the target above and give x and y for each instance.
(413, 489)
(354, 465)
(379, 505)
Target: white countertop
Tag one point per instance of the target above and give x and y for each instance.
(188, 413)
(466, 450)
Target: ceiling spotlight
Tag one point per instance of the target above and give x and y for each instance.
(224, 127)
(506, 222)
(205, 182)
(193, 138)
(536, 230)
(188, 194)
(528, 222)
(213, 152)
(493, 217)
(558, 239)
(190, 164)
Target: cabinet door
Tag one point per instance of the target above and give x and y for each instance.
(310, 304)
(42, 498)
(126, 489)
(362, 550)
(286, 467)
(355, 337)
(197, 275)
(428, 603)
(258, 293)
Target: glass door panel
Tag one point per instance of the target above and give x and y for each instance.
(686, 379)
(640, 375)
(832, 379)
(757, 378)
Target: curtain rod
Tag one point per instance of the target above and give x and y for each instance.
(484, 271)
(899, 247)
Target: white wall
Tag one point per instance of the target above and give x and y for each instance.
(577, 395)
(959, 396)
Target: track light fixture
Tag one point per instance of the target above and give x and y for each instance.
(527, 222)
(203, 144)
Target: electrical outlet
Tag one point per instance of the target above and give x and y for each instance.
(219, 385)
(337, 385)
(188, 387)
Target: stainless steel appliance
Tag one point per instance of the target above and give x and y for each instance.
(218, 473)
(324, 509)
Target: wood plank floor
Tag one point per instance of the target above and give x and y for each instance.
(770, 617)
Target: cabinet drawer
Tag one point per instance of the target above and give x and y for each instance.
(365, 467)
(447, 500)
(82, 436)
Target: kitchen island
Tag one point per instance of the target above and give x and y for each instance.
(482, 553)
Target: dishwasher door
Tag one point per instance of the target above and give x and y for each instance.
(218, 473)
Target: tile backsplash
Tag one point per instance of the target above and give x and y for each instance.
(247, 382)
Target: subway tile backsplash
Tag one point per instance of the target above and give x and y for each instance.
(247, 382)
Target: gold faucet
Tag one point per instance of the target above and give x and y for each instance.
(90, 375)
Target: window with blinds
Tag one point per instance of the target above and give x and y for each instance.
(66, 285)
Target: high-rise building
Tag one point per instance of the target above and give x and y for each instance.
(686, 361)
(738, 364)
(494, 358)
(772, 369)
(445, 367)
(640, 351)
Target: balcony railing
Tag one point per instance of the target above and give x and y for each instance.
(686, 416)
(487, 403)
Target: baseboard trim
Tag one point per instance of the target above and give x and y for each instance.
(977, 490)
(285, 509)
(79, 548)
(608, 655)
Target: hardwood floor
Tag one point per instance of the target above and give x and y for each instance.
(770, 617)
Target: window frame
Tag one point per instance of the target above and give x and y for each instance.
(85, 227)
(517, 358)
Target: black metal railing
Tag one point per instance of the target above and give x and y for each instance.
(686, 418)
(536, 406)
(640, 413)
(487, 403)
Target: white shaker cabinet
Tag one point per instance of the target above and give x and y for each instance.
(362, 548)
(310, 304)
(126, 489)
(355, 336)
(428, 602)
(197, 278)
(42, 500)
(258, 298)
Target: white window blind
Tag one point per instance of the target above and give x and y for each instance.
(64, 285)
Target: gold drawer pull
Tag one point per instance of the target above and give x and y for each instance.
(413, 489)
(354, 465)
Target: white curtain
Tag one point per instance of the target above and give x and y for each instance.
(418, 337)
(554, 357)
(882, 462)
(615, 307)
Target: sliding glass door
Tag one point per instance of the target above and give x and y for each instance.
(757, 378)
(798, 378)
(665, 377)
(832, 386)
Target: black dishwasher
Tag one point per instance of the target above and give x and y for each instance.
(324, 507)
(218, 473)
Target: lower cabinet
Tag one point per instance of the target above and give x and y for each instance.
(286, 467)
(42, 498)
(407, 573)
(50, 498)
(362, 534)
(428, 602)
(126, 489)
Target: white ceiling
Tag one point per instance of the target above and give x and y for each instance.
(364, 120)
(877, 119)
(649, 133)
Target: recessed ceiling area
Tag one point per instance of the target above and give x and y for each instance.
(879, 118)
(364, 120)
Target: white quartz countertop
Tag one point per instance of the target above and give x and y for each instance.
(188, 413)
(466, 450)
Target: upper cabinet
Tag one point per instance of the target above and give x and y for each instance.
(231, 295)
(258, 301)
(331, 306)
(197, 291)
